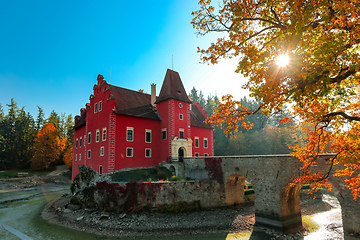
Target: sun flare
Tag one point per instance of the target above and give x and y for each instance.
(282, 60)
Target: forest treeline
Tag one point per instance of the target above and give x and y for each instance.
(267, 136)
(37, 143)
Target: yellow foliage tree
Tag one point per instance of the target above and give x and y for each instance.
(48, 147)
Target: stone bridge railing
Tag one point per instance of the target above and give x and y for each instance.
(277, 204)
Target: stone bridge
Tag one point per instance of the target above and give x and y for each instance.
(277, 204)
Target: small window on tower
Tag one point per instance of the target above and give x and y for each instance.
(163, 133)
(181, 133)
(147, 152)
(102, 151)
(80, 144)
(89, 137)
(181, 117)
(148, 135)
(95, 108)
(100, 106)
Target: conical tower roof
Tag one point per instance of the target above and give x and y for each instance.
(172, 88)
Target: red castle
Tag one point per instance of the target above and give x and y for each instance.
(122, 128)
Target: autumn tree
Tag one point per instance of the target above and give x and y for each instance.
(48, 147)
(320, 82)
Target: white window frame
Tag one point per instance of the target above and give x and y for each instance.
(197, 154)
(95, 108)
(79, 156)
(183, 133)
(207, 143)
(100, 106)
(102, 151)
(146, 132)
(181, 116)
(88, 154)
(148, 149)
(103, 134)
(77, 143)
(80, 143)
(162, 133)
(89, 137)
(132, 152)
(132, 135)
(206, 155)
(97, 136)
(196, 143)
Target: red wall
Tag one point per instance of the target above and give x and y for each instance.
(202, 133)
(138, 144)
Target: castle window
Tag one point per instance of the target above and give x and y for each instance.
(80, 142)
(196, 154)
(129, 152)
(181, 117)
(181, 133)
(79, 156)
(206, 154)
(129, 134)
(75, 157)
(97, 138)
(104, 134)
(205, 143)
(76, 143)
(89, 154)
(102, 151)
(163, 133)
(196, 142)
(180, 105)
(89, 137)
(100, 106)
(100, 169)
(147, 152)
(148, 135)
(95, 108)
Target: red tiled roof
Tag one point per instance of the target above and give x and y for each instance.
(133, 103)
(197, 118)
(172, 88)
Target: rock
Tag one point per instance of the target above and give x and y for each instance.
(104, 216)
(67, 211)
(73, 207)
(80, 218)
(123, 215)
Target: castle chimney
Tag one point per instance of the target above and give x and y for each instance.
(153, 94)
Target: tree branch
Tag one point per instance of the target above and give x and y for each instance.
(344, 115)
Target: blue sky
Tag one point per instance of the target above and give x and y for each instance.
(52, 51)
